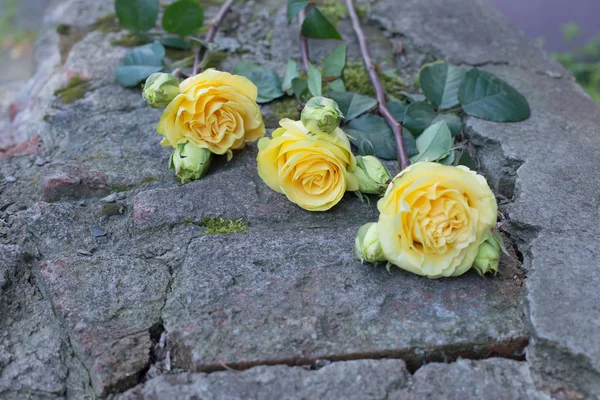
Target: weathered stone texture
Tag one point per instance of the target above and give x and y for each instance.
(364, 379)
(104, 295)
(108, 305)
(253, 298)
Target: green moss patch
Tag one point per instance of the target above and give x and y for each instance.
(107, 24)
(357, 80)
(285, 108)
(130, 40)
(112, 209)
(221, 226)
(63, 29)
(73, 90)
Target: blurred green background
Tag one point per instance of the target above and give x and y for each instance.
(569, 29)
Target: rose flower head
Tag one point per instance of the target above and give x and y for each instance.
(190, 162)
(215, 110)
(321, 114)
(312, 170)
(366, 244)
(160, 89)
(433, 219)
(372, 175)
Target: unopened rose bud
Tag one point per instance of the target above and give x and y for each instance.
(373, 176)
(190, 162)
(488, 257)
(160, 89)
(367, 246)
(321, 114)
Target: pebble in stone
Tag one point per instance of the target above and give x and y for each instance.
(10, 179)
(97, 231)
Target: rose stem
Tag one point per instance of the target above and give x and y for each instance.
(210, 36)
(303, 43)
(380, 94)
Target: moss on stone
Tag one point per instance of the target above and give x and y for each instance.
(285, 108)
(216, 226)
(149, 179)
(335, 11)
(357, 80)
(63, 29)
(73, 90)
(130, 40)
(112, 209)
(107, 24)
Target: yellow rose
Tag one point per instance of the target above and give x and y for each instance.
(312, 170)
(434, 217)
(215, 110)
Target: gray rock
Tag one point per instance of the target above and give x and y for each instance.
(36, 361)
(296, 296)
(109, 304)
(363, 379)
(494, 378)
(555, 214)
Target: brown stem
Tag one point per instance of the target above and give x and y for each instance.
(210, 36)
(380, 93)
(303, 43)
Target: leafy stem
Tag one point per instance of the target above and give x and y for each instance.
(210, 36)
(380, 93)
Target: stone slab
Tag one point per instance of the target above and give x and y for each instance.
(362, 379)
(108, 304)
(36, 361)
(249, 299)
(555, 215)
(494, 378)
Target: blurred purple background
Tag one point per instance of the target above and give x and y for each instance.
(544, 18)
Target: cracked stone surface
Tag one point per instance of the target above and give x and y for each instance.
(361, 379)
(143, 303)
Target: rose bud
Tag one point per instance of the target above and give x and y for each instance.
(373, 176)
(160, 89)
(367, 246)
(190, 162)
(487, 258)
(321, 114)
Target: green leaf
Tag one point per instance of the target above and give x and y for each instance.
(267, 81)
(418, 116)
(434, 143)
(184, 17)
(174, 42)
(466, 160)
(316, 26)
(440, 82)
(291, 72)
(335, 61)
(413, 97)
(294, 7)
(337, 86)
(449, 159)
(137, 15)
(397, 109)
(373, 136)
(139, 63)
(300, 88)
(315, 81)
(453, 121)
(484, 95)
(352, 105)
